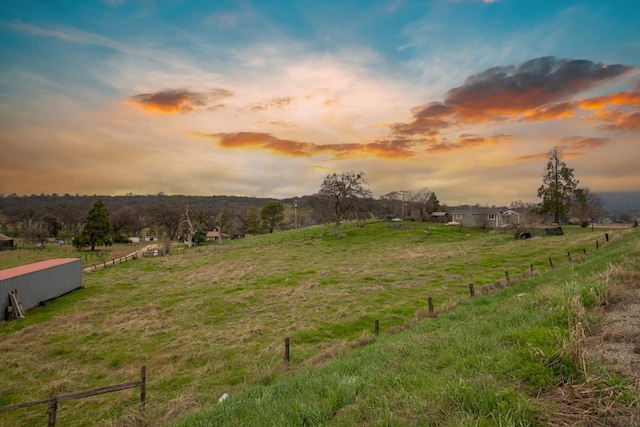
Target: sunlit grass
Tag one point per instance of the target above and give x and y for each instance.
(211, 320)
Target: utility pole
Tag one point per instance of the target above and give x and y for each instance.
(403, 192)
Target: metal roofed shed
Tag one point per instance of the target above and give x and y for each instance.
(39, 282)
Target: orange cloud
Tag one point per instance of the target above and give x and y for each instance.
(398, 149)
(569, 143)
(537, 90)
(473, 141)
(532, 157)
(564, 110)
(266, 141)
(608, 115)
(619, 98)
(464, 141)
(534, 84)
(626, 123)
(545, 156)
(171, 101)
(425, 126)
(579, 142)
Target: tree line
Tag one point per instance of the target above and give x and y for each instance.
(89, 221)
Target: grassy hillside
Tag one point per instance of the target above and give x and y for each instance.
(212, 320)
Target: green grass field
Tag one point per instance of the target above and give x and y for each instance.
(212, 320)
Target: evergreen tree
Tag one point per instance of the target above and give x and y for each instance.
(272, 213)
(253, 220)
(97, 228)
(558, 186)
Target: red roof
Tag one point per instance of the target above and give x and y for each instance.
(36, 266)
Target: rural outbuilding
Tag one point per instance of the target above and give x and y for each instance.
(39, 282)
(6, 242)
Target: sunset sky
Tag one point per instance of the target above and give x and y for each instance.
(266, 97)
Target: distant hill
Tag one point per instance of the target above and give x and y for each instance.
(627, 202)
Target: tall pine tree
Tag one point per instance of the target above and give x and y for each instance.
(558, 186)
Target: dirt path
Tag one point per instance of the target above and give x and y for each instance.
(615, 343)
(121, 259)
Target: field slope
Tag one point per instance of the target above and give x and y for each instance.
(212, 320)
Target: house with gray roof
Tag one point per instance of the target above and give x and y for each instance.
(485, 217)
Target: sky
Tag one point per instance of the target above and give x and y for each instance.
(265, 98)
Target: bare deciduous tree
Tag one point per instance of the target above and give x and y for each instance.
(188, 228)
(37, 232)
(425, 202)
(391, 203)
(345, 193)
(586, 206)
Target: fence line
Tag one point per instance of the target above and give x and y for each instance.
(59, 398)
(486, 289)
(147, 252)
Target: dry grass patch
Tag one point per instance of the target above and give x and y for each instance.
(592, 403)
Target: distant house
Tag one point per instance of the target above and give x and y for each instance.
(214, 235)
(6, 242)
(440, 216)
(485, 217)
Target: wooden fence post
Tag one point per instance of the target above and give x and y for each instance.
(377, 327)
(506, 276)
(584, 251)
(606, 236)
(550, 262)
(53, 408)
(597, 245)
(143, 386)
(430, 305)
(286, 351)
(569, 256)
(472, 291)
(531, 268)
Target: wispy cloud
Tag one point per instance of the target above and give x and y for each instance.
(277, 103)
(579, 142)
(68, 34)
(226, 20)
